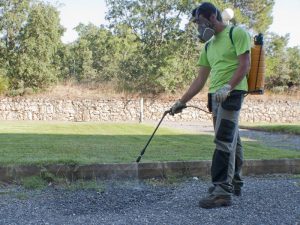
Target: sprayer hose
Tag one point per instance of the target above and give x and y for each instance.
(196, 107)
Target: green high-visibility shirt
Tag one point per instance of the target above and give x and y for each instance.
(222, 57)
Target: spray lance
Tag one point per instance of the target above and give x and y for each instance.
(144, 149)
(164, 114)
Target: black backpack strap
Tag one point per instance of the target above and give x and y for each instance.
(231, 34)
(206, 46)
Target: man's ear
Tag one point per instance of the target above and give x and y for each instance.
(213, 18)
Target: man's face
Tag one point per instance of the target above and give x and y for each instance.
(204, 28)
(202, 21)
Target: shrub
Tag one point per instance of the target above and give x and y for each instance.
(3, 84)
(279, 89)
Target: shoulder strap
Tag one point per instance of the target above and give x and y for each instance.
(231, 34)
(206, 46)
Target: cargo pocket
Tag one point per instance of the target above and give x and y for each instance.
(226, 131)
(234, 101)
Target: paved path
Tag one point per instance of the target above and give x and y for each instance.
(276, 140)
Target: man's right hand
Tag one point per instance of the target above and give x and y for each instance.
(177, 107)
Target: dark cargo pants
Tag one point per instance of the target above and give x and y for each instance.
(228, 155)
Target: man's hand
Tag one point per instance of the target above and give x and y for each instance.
(177, 107)
(222, 93)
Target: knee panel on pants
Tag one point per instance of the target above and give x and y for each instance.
(226, 131)
(219, 168)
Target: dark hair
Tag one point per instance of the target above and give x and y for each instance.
(206, 9)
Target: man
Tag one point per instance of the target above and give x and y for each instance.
(227, 62)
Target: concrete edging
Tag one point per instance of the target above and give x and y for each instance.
(146, 170)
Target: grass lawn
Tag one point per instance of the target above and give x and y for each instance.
(24, 143)
(277, 127)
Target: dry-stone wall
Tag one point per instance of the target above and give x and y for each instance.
(254, 110)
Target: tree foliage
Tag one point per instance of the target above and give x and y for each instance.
(282, 63)
(293, 61)
(13, 15)
(102, 48)
(39, 44)
(31, 34)
(156, 26)
(149, 46)
(257, 14)
(168, 51)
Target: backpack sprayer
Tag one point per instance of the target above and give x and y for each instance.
(256, 75)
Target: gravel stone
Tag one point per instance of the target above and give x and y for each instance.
(265, 200)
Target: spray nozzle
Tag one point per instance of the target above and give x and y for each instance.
(259, 39)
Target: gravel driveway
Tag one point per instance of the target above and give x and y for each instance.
(265, 200)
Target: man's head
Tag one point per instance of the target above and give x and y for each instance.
(207, 17)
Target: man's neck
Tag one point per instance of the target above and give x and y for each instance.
(220, 27)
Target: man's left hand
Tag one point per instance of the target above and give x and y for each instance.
(222, 93)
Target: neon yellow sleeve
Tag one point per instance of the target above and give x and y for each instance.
(203, 59)
(241, 40)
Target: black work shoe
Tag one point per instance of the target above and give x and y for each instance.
(211, 189)
(214, 201)
(237, 191)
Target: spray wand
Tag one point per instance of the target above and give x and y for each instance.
(165, 113)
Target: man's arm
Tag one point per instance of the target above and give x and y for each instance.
(194, 89)
(241, 71)
(197, 84)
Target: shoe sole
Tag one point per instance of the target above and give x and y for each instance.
(236, 193)
(217, 205)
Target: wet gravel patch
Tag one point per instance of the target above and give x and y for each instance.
(265, 200)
